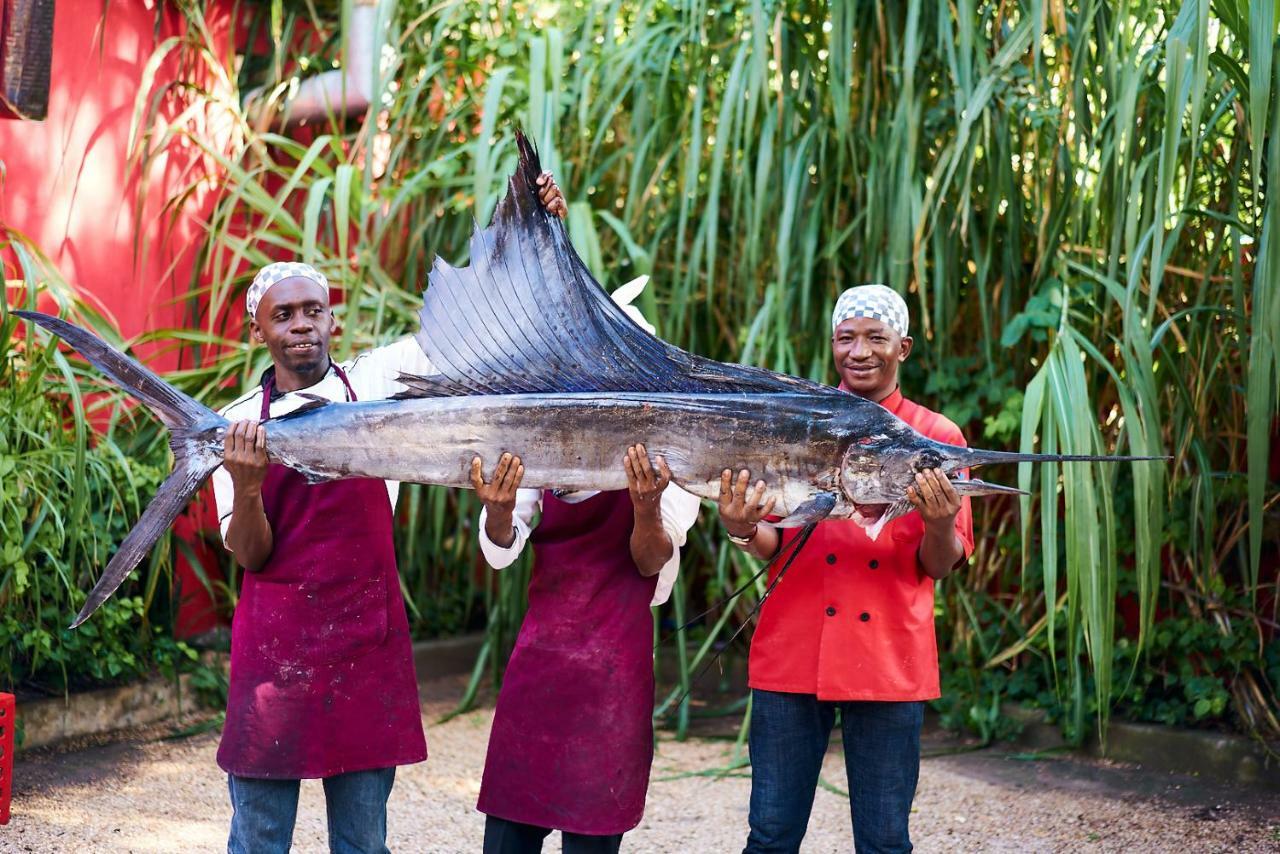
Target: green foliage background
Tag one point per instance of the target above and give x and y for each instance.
(1072, 196)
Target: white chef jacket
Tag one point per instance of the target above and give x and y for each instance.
(372, 375)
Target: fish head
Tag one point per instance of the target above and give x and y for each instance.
(878, 470)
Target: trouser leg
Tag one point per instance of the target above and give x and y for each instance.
(882, 759)
(789, 735)
(263, 813)
(356, 807)
(580, 843)
(511, 837)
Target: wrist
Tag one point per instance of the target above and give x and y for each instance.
(247, 491)
(740, 535)
(940, 528)
(646, 512)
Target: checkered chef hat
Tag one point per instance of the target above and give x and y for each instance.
(278, 272)
(874, 301)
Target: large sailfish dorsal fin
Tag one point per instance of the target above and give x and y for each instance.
(526, 316)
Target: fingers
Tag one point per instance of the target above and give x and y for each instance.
(740, 486)
(511, 480)
(757, 497)
(945, 489)
(477, 474)
(924, 485)
(500, 470)
(260, 444)
(768, 506)
(240, 440)
(645, 470)
(551, 196)
(641, 477)
(726, 477)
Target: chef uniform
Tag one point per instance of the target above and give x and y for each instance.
(572, 738)
(850, 628)
(322, 682)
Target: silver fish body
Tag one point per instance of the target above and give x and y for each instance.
(796, 443)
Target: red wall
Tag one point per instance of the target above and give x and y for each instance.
(70, 188)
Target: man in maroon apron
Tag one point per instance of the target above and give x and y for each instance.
(322, 678)
(572, 738)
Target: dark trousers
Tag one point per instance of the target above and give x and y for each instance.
(789, 735)
(355, 803)
(511, 837)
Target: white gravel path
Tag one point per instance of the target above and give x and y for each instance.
(145, 794)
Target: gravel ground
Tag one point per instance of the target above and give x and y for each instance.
(146, 793)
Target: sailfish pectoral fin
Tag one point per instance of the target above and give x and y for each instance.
(814, 510)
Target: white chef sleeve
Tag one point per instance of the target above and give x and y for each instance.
(528, 502)
(679, 511)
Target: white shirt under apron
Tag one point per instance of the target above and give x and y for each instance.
(372, 375)
(679, 510)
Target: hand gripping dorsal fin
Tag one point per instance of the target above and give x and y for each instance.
(526, 316)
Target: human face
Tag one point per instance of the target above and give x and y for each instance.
(867, 355)
(295, 322)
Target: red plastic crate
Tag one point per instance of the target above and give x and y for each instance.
(8, 712)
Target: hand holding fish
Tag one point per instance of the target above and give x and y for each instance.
(550, 196)
(643, 483)
(245, 456)
(935, 498)
(498, 496)
(938, 502)
(739, 512)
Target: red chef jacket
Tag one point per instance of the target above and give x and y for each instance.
(853, 618)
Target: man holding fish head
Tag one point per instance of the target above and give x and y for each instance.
(851, 628)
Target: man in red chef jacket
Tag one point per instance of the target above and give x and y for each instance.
(851, 626)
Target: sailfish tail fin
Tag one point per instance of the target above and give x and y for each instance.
(194, 435)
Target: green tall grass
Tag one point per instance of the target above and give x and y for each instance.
(1074, 198)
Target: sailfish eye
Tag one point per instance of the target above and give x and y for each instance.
(929, 460)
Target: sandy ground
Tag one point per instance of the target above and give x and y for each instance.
(149, 793)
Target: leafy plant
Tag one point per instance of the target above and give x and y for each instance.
(73, 470)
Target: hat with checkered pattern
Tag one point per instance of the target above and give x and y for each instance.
(278, 272)
(875, 301)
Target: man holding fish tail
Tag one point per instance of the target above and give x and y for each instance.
(322, 679)
(572, 738)
(851, 627)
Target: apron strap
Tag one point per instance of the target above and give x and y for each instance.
(269, 386)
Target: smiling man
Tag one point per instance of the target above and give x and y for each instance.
(851, 626)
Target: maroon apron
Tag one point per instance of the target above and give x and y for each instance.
(322, 678)
(572, 738)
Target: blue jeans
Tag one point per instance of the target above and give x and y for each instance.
(355, 804)
(789, 735)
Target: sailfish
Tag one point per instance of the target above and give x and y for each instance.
(532, 357)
